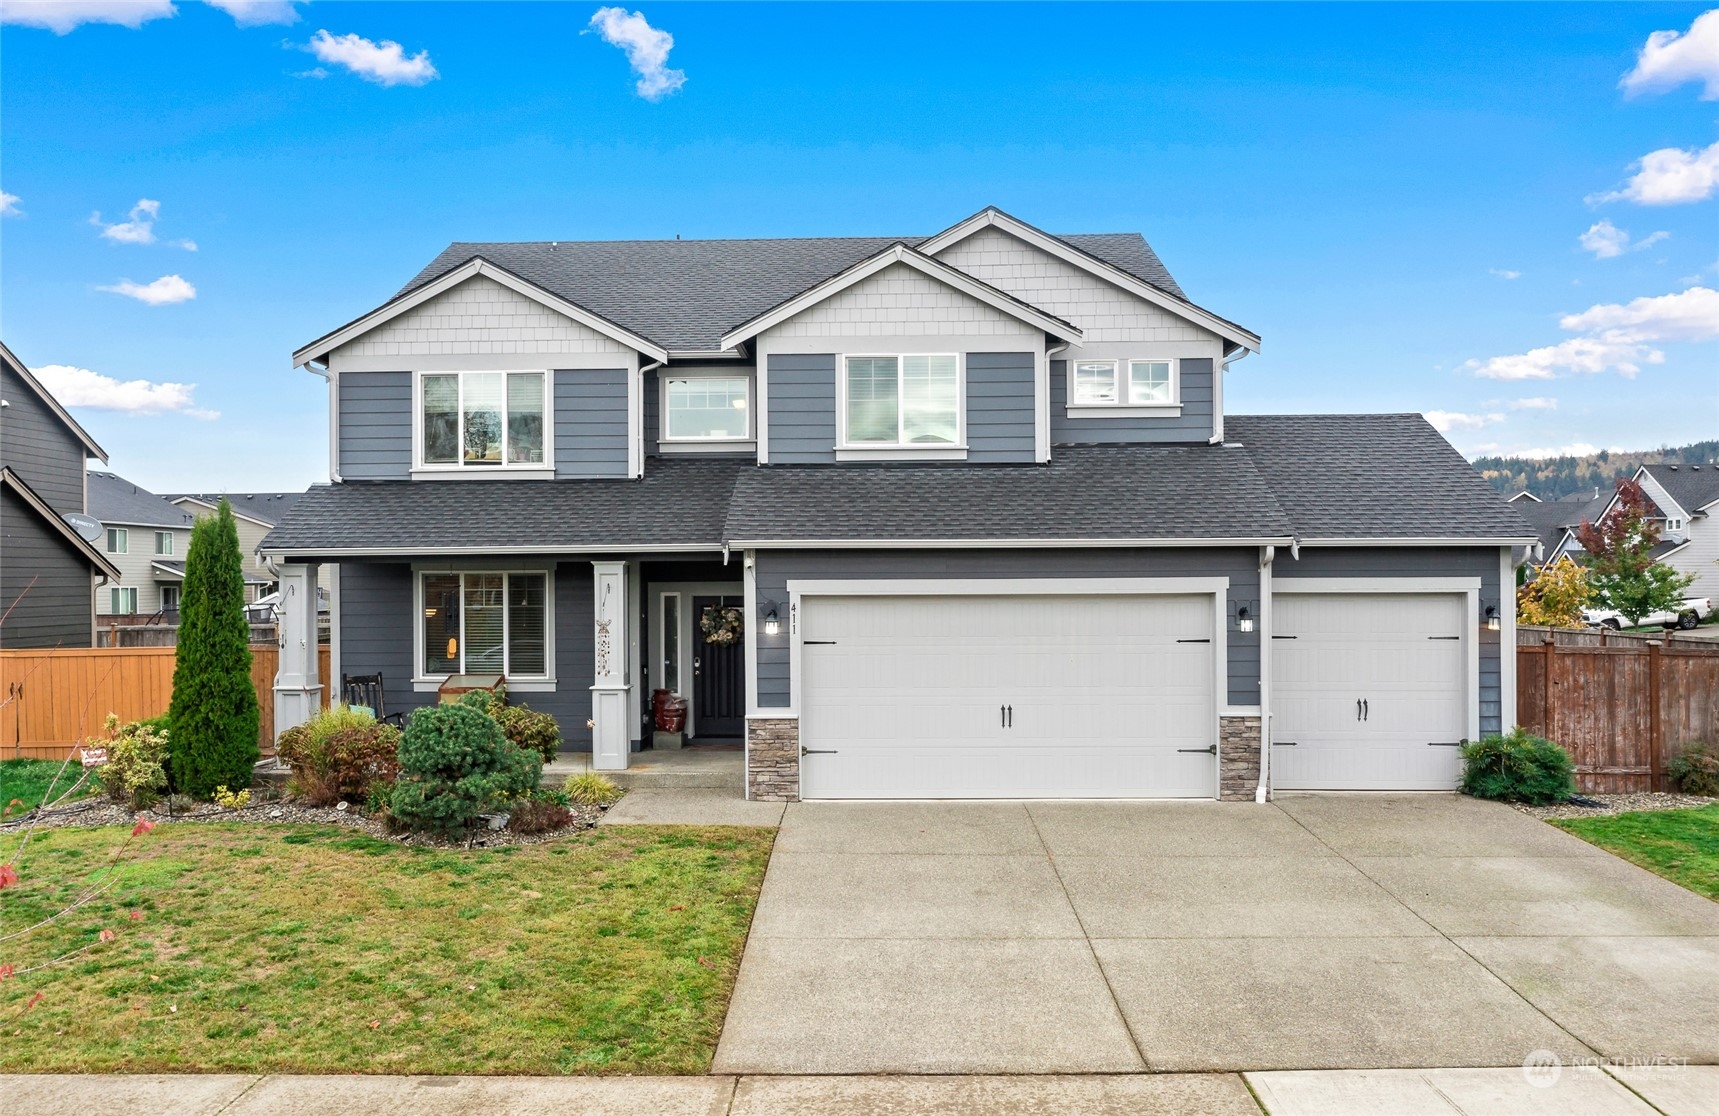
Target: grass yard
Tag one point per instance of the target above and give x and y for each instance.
(1681, 845)
(302, 949)
(25, 781)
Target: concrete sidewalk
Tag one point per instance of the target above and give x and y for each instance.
(1650, 1091)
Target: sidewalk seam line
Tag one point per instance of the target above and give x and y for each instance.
(243, 1093)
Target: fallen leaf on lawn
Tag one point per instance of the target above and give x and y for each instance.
(136, 915)
(172, 1007)
(375, 1023)
(107, 935)
(705, 961)
(678, 907)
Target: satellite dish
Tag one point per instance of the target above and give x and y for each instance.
(87, 526)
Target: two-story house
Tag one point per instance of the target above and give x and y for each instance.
(50, 568)
(958, 516)
(146, 538)
(254, 516)
(1685, 500)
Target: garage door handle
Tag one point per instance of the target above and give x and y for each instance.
(1444, 637)
(805, 751)
(1444, 743)
(817, 643)
(1210, 749)
(1283, 743)
(1366, 709)
(1193, 641)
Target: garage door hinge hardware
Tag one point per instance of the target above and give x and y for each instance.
(1209, 749)
(805, 751)
(1193, 641)
(819, 642)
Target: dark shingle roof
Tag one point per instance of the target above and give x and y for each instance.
(1373, 477)
(1551, 518)
(679, 502)
(269, 507)
(113, 499)
(1086, 492)
(685, 294)
(1692, 486)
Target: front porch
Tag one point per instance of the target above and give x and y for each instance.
(702, 768)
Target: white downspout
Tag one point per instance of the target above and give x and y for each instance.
(333, 418)
(1262, 793)
(1218, 395)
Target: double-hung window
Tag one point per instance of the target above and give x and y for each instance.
(164, 542)
(483, 420)
(911, 400)
(1118, 383)
(485, 623)
(123, 600)
(118, 540)
(705, 409)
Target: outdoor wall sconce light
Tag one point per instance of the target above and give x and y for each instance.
(1244, 619)
(772, 623)
(1493, 621)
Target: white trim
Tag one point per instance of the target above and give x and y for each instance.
(749, 590)
(1506, 640)
(666, 440)
(489, 551)
(901, 453)
(761, 410)
(635, 421)
(687, 634)
(326, 344)
(1123, 410)
(1122, 381)
(544, 470)
(1238, 711)
(1092, 264)
(984, 544)
(933, 450)
(1520, 540)
(736, 448)
(918, 261)
(1267, 587)
(237, 514)
(424, 682)
(334, 658)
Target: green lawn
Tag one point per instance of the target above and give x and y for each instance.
(311, 949)
(1681, 845)
(25, 781)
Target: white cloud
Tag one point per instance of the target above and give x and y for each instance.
(1669, 59)
(80, 387)
(1504, 273)
(164, 291)
(1619, 337)
(256, 13)
(62, 17)
(140, 229)
(9, 205)
(1574, 449)
(1669, 176)
(1606, 241)
(647, 50)
(1534, 403)
(1446, 421)
(384, 63)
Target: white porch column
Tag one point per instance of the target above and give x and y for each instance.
(298, 685)
(610, 750)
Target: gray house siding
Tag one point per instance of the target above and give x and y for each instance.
(1193, 425)
(375, 435)
(1000, 407)
(591, 423)
(1405, 561)
(377, 633)
(650, 408)
(36, 445)
(774, 569)
(802, 408)
(55, 610)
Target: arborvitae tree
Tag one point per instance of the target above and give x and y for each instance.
(213, 722)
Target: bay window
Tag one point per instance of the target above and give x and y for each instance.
(705, 408)
(909, 400)
(484, 623)
(483, 420)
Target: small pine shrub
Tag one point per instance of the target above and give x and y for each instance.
(588, 788)
(1695, 770)
(456, 763)
(1518, 767)
(135, 773)
(529, 729)
(341, 753)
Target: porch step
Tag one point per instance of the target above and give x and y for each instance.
(688, 769)
(652, 778)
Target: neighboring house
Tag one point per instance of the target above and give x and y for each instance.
(1686, 506)
(49, 570)
(146, 538)
(1558, 520)
(970, 503)
(254, 514)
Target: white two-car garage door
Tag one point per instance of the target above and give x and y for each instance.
(1368, 690)
(1007, 696)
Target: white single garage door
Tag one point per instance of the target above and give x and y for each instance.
(1369, 690)
(1007, 697)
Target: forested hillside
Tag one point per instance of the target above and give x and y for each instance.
(1552, 477)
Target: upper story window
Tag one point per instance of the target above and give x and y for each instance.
(1674, 524)
(909, 400)
(706, 409)
(1118, 383)
(118, 540)
(483, 420)
(164, 542)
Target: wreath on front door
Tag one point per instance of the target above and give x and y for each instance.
(721, 625)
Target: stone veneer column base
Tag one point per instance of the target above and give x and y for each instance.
(773, 759)
(1238, 758)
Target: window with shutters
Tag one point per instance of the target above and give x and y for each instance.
(485, 623)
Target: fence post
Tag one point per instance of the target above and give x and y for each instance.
(1655, 729)
(1546, 690)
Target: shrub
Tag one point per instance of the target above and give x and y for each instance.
(539, 814)
(1518, 767)
(232, 800)
(529, 729)
(455, 763)
(588, 788)
(1695, 770)
(341, 753)
(135, 773)
(214, 716)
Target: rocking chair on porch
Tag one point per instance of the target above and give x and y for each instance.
(364, 691)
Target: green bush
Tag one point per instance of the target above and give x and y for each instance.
(1518, 767)
(135, 773)
(588, 788)
(1695, 770)
(341, 753)
(214, 717)
(529, 729)
(455, 763)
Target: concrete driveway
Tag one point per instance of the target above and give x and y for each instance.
(1322, 932)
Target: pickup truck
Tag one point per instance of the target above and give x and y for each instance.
(1692, 612)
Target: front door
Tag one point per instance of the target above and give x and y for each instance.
(718, 677)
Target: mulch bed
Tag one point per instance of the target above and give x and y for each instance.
(1618, 804)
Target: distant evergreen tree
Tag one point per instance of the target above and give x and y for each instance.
(1554, 477)
(213, 720)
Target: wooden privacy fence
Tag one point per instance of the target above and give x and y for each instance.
(1622, 707)
(52, 701)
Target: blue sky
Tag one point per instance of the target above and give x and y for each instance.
(1395, 198)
